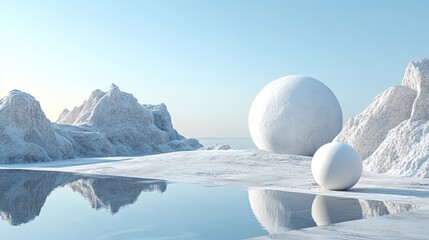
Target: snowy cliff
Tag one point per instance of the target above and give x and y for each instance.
(392, 133)
(109, 123)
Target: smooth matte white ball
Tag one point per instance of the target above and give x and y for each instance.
(294, 115)
(336, 166)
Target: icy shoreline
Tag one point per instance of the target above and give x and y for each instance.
(259, 169)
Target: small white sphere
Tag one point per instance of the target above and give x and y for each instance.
(336, 166)
(294, 115)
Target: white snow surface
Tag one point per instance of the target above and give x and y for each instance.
(109, 123)
(261, 171)
(392, 133)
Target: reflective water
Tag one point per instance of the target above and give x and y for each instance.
(55, 205)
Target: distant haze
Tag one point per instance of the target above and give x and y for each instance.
(206, 60)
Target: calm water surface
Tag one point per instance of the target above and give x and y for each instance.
(55, 205)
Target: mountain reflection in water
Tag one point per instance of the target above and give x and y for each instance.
(24, 192)
(279, 211)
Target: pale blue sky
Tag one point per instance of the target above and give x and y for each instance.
(206, 60)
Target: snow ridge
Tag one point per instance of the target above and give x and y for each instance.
(109, 123)
(392, 133)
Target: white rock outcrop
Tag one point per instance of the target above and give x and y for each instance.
(109, 123)
(392, 133)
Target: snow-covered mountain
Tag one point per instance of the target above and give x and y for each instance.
(392, 133)
(114, 123)
(109, 123)
(26, 135)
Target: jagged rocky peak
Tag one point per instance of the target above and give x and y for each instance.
(119, 108)
(63, 114)
(79, 115)
(392, 133)
(107, 109)
(27, 135)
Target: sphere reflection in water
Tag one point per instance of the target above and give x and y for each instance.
(279, 211)
(328, 210)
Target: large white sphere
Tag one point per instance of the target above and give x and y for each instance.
(336, 166)
(294, 115)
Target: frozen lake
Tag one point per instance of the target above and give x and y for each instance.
(47, 204)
